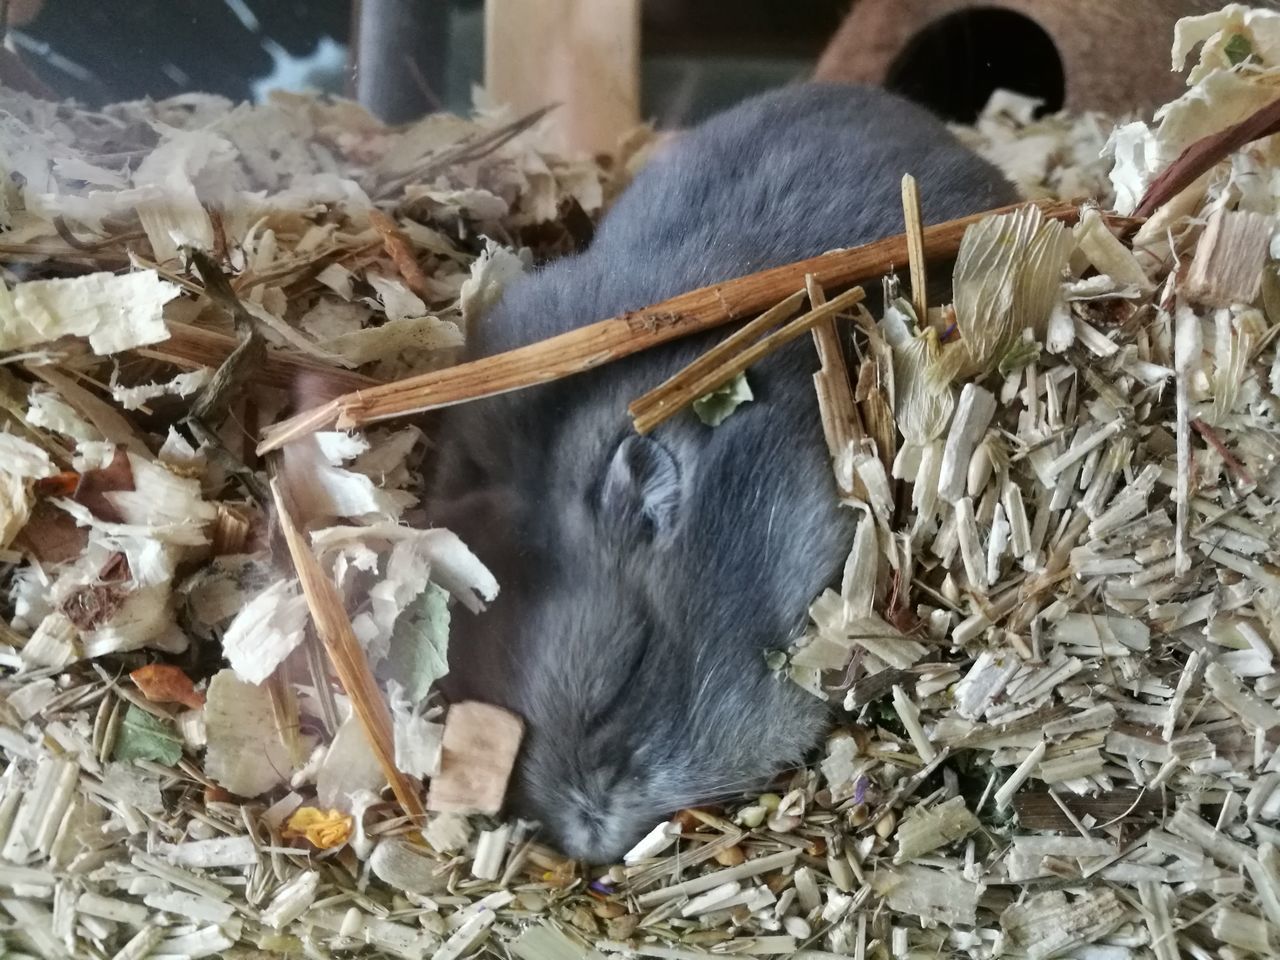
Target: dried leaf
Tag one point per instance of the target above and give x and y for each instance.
(143, 736)
(1006, 280)
(418, 655)
(165, 683)
(716, 406)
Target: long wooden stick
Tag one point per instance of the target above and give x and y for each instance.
(599, 343)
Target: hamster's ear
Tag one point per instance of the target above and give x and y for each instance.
(643, 484)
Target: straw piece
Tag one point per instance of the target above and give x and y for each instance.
(600, 343)
(193, 347)
(334, 628)
(709, 381)
(915, 246)
(713, 358)
(841, 425)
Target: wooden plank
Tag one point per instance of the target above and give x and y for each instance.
(582, 54)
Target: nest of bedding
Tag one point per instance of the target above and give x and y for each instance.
(1054, 674)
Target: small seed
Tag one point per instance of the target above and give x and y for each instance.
(797, 927)
(777, 882)
(731, 856)
(610, 910)
(687, 821)
(784, 822)
(886, 824)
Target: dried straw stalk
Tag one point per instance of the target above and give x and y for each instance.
(345, 653)
(599, 343)
(915, 245)
(715, 358)
(841, 425)
(665, 401)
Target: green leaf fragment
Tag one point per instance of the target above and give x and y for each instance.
(1020, 354)
(144, 736)
(1238, 49)
(716, 406)
(419, 654)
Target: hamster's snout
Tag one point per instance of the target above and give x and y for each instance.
(598, 810)
(598, 829)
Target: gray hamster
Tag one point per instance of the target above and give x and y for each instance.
(644, 579)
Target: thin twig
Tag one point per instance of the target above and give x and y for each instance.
(194, 347)
(717, 355)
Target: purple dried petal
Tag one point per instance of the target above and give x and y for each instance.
(860, 790)
(602, 886)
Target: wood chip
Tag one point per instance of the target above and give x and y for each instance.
(478, 753)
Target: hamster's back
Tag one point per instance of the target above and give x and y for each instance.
(787, 175)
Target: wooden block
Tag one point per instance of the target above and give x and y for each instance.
(1230, 255)
(582, 54)
(478, 753)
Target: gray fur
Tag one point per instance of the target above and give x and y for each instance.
(644, 580)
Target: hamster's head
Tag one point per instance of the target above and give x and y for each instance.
(643, 583)
(636, 711)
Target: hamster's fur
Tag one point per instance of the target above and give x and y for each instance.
(644, 579)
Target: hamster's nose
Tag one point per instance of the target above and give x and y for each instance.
(581, 840)
(594, 841)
